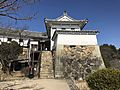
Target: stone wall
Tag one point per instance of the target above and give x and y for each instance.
(80, 61)
(46, 65)
(58, 63)
(1, 70)
(88, 55)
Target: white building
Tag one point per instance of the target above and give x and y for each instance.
(63, 23)
(30, 41)
(65, 30)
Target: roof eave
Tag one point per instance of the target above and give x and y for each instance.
(88, 32)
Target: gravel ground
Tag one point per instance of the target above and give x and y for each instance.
(34, 84)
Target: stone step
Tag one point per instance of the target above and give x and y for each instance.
(46, 65)
(46, 74)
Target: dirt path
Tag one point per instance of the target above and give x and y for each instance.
(38, 84)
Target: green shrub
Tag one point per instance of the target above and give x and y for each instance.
(105, 79)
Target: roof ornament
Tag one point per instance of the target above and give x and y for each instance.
(65, 13)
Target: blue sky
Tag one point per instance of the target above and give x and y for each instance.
(103, 15)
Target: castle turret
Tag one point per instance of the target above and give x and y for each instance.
(66, 31)
(63, 23)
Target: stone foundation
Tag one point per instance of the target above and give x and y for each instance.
(76, 52)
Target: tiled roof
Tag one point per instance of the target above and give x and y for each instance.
(22, 33)
(65, 14)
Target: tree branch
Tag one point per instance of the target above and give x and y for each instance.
(15, 18)
(9, 8)
(8, 5)
(1, 2)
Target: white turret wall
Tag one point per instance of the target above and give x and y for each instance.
(64, 39)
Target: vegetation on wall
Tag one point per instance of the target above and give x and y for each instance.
(105, 79)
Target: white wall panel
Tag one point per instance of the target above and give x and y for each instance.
(64, 39)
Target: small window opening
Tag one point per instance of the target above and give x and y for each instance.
(53, 28)
(20, 40)
(9, 39)
(72, 46)
(72, 28)
(63, 28)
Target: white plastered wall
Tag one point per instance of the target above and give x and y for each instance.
(5, 39)
(64, 39)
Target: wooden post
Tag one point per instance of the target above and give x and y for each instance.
(33, 62)
(39, 60)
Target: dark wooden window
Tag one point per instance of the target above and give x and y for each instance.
(72, 28)
(63, 28)
(53, 28)
(20, 40)
(9, 39)
(72, 46)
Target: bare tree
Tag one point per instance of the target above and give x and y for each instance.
(9, 8)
